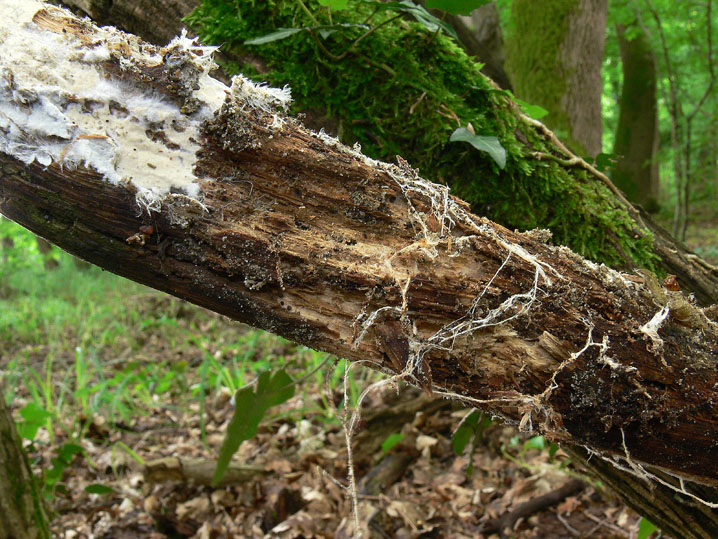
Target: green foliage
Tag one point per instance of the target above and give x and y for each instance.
(391, 442)
(34, 416)
(471, 429)
(274, 36)
(490, 145)
(97, 488)
(646, 528)
(52, 476)
(685, 35)
(403, 90)
(456, 7)
(334, 4)
(534, 111)
(251, 403)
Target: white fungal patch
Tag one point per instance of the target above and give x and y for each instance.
(59, 103)
(650, 328)
(260, 96)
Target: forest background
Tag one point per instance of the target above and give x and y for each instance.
(105, 376)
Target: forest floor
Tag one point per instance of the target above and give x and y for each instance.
(106, 377)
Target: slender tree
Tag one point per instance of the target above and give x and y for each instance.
(637, 134)
(685, 100)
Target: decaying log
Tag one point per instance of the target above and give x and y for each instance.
(131, 157)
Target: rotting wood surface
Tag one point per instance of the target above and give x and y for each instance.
(303, 237)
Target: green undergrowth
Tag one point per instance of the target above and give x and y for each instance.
(403, 90)
(82, 348)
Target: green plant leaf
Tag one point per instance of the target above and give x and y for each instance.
(28, 431)
(35, 416)
(462, 435)
(490, 145)
(34, 413)
(456, 7)
(274, 36)
(250, 405)
(67, 451)
(604, 161)
(97, 488)
(419, 13)
(534, 111)
(646, 528)
(334, 4)
(552, 449)
(537, 442)
(328, 29)
(391, 441)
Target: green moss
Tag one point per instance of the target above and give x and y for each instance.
(404, 90)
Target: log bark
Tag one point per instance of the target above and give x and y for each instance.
(198, 472)
(294, 233)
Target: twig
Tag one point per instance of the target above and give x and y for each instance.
(352, 47)
(574, 160)
(566, 525)
(534, 505)
(601, 522)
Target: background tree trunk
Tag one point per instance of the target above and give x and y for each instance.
(637, 135)
(482, 38)
(555, 53)
(22, 507)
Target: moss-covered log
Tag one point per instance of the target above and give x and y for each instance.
(404, 90)
(269, 223)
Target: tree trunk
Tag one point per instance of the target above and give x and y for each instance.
(555, 56)
(543, 191)
(483, 39)
(637, 133)
(259, 219)
(22, 507)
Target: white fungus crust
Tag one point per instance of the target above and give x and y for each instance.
(59, 105)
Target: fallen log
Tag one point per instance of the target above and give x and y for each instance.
(130, 156)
